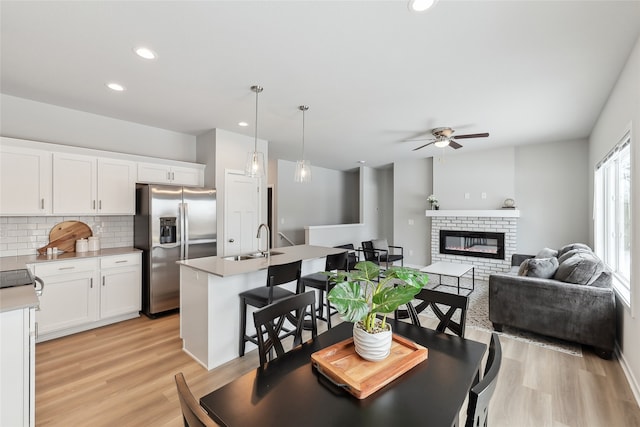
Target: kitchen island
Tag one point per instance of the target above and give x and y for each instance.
(209, 303)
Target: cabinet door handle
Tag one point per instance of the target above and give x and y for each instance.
(103, 278)
(66, 268)
(42, 204)
(94, 205)
(91, 283)
(121, 261)
(100, 205)
(169, 176)
(173, 176)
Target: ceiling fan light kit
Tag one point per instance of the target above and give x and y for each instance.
(443, 137)
(255, 160)
(421, 5)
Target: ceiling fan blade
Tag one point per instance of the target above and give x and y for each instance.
(418, 139)
(422, 146)
(472, 135)
(454, 144)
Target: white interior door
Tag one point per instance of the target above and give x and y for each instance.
(242, 213)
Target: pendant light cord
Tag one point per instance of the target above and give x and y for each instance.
(257, 89)
(303, 108)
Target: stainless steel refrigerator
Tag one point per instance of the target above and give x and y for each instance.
(171, 224)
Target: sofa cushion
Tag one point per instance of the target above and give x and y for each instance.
(582, 268)
(565, 256)
(544, 268)
(547, 253)
(603, 280)
(567, 248)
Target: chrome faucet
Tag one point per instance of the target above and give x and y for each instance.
(266, 251)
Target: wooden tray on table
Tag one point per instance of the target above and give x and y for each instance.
(343, 366)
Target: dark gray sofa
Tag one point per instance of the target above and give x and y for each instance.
(582, 313)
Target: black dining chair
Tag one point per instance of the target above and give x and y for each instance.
(435, 300)
(259, 297)
(379, 251)
(269, 323)
(481, 393)
(193, 414)
(353, 255)
(320, 281)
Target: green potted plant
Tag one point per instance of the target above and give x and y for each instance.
(363, 293)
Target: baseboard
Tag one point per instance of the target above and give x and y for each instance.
(633, 383)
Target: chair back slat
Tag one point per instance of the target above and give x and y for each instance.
(193, 414)
(480, 394)
(436, 299)
(269, 322)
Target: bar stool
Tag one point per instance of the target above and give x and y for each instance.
(263, 296)
(320, 281)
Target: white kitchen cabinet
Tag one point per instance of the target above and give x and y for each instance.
(157, 173)
(25, 181)
(91, 185)
(83, 294)
(120, 291)
(116, 187)
(70, 295)
(17, 367)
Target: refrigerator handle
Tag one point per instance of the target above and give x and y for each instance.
(181, 227)
(185, 207)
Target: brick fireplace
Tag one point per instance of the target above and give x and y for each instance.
(484, 225)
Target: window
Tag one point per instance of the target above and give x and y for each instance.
(612, 214)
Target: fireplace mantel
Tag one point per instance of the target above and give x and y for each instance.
(495, 213)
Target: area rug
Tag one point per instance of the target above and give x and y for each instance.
(478, 317)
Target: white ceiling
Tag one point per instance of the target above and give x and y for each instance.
(373, 73)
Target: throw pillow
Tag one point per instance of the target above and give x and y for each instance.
(543, 268)
(547, 253)
(565, 256)
(582, 268)
(381, 245)
(567, 248)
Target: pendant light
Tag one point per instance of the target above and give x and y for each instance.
(255, 159)
(303, 167)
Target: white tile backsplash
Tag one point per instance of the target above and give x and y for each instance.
(24, 235)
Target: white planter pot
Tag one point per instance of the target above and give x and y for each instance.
(372, 347)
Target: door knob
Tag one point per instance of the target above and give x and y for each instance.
(231, 240)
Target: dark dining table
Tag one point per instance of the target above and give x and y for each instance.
(290, 392)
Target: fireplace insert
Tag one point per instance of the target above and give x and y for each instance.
(480, 244)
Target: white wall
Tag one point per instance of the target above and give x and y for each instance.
(326, 200)
(229, 151)
(622, 112)
(552, 194)
(457, 173)
(36, 121)
(412, 184)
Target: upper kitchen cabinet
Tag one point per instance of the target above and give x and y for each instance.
(91, 185)
(25, 181)
(156, 173)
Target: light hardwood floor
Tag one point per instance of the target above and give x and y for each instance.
(122, 375)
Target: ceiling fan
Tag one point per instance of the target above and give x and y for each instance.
(444, 136)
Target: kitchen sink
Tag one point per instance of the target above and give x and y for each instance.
(254, 255)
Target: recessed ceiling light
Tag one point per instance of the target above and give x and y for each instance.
(243, 124)
(115, 86)
(145, 52)
(420, 5)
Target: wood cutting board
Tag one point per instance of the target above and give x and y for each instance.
(64, 235)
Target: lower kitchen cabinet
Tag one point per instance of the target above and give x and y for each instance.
(120, 291)
(69, 298)
(83, 294)
(17, 367)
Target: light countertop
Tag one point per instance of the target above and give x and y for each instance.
(16, 262)
(218, 266)
(19, 297)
